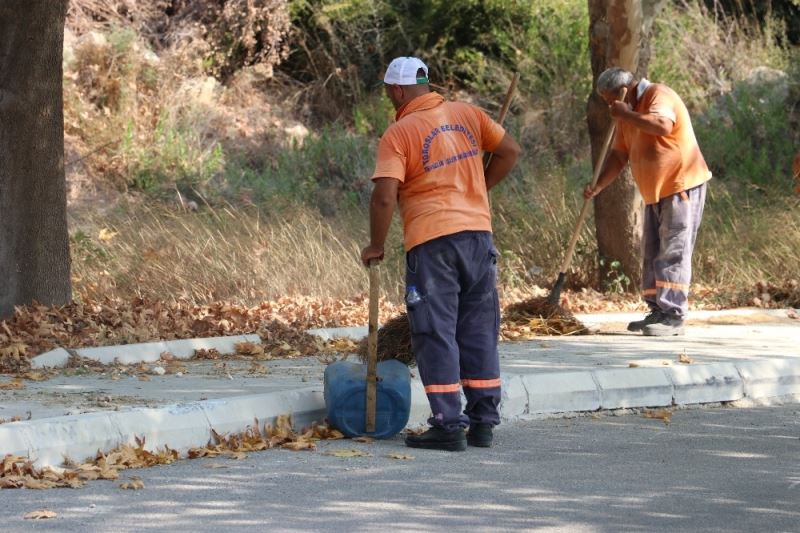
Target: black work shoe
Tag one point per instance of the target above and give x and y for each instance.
(439, 439)
(654, 316)
(480, 435)
(667, 326)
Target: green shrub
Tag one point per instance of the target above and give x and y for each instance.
(701, 56)
(330, 167)
(177, 155)
(744, 137)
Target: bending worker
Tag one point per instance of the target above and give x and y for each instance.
(654, 134)
(429, 160)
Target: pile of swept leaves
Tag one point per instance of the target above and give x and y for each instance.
(536, 317)
(521, 320)
(19, 472)
(764, 294)
(281, 324)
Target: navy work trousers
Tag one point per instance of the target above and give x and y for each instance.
(455, 325)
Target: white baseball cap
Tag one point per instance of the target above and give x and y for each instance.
(403, 71)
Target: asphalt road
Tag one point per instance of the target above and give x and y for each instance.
(709, 469)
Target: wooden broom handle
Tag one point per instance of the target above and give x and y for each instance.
(372, 347)
(596, 176)
(503, 112)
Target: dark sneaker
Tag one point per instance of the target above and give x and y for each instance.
(439, 439)
(665, 327)
(480, 435)
(654, 316)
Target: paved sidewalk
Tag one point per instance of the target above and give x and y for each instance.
(727, 356)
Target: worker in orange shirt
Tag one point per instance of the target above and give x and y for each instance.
(429, 162)
(655, 135)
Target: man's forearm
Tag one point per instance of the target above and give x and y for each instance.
(613, 166)
(504, 158)
(380, 218)
(498, 169)
(648, 123)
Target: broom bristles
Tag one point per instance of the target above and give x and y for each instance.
(541, 317)
(536, 316)
(394, 342)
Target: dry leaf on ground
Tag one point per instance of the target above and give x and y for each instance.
(258, 368)
(685, 359)
(236, 456)
(135, 483)
(40, 514)
(249, 348)
(15, 384)
(349, 453)
(299, 445)
(664, 415)
(400, 456)
(35, 376)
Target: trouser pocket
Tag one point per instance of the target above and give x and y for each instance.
(419, 316)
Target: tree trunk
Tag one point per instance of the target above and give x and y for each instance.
(34, 242)
(619, 34)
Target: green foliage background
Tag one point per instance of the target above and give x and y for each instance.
(736, 67)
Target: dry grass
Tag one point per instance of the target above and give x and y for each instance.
(215, 254)
(746, 241)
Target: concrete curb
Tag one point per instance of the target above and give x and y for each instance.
(147, 352)
(353, 332)
(182, 426)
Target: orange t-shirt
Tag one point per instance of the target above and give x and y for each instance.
(662, 165)
(434, 149)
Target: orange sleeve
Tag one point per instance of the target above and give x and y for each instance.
(662, 105)
(491, 132)
(391, 159)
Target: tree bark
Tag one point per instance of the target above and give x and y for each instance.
(619, 35)
(34, 242)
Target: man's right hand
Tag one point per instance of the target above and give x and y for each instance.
(591, 191)
(371, 253)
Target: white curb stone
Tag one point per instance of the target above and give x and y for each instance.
(180, 426)
(50, 440)
(231, 415)
(126, 354)
(514, 400)
(149, 352)
(57, 358)
(184, 348)
(633, 387)
(354, 332)
(706, 383)
(561, 392)
(770, 377)
(14, 439)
